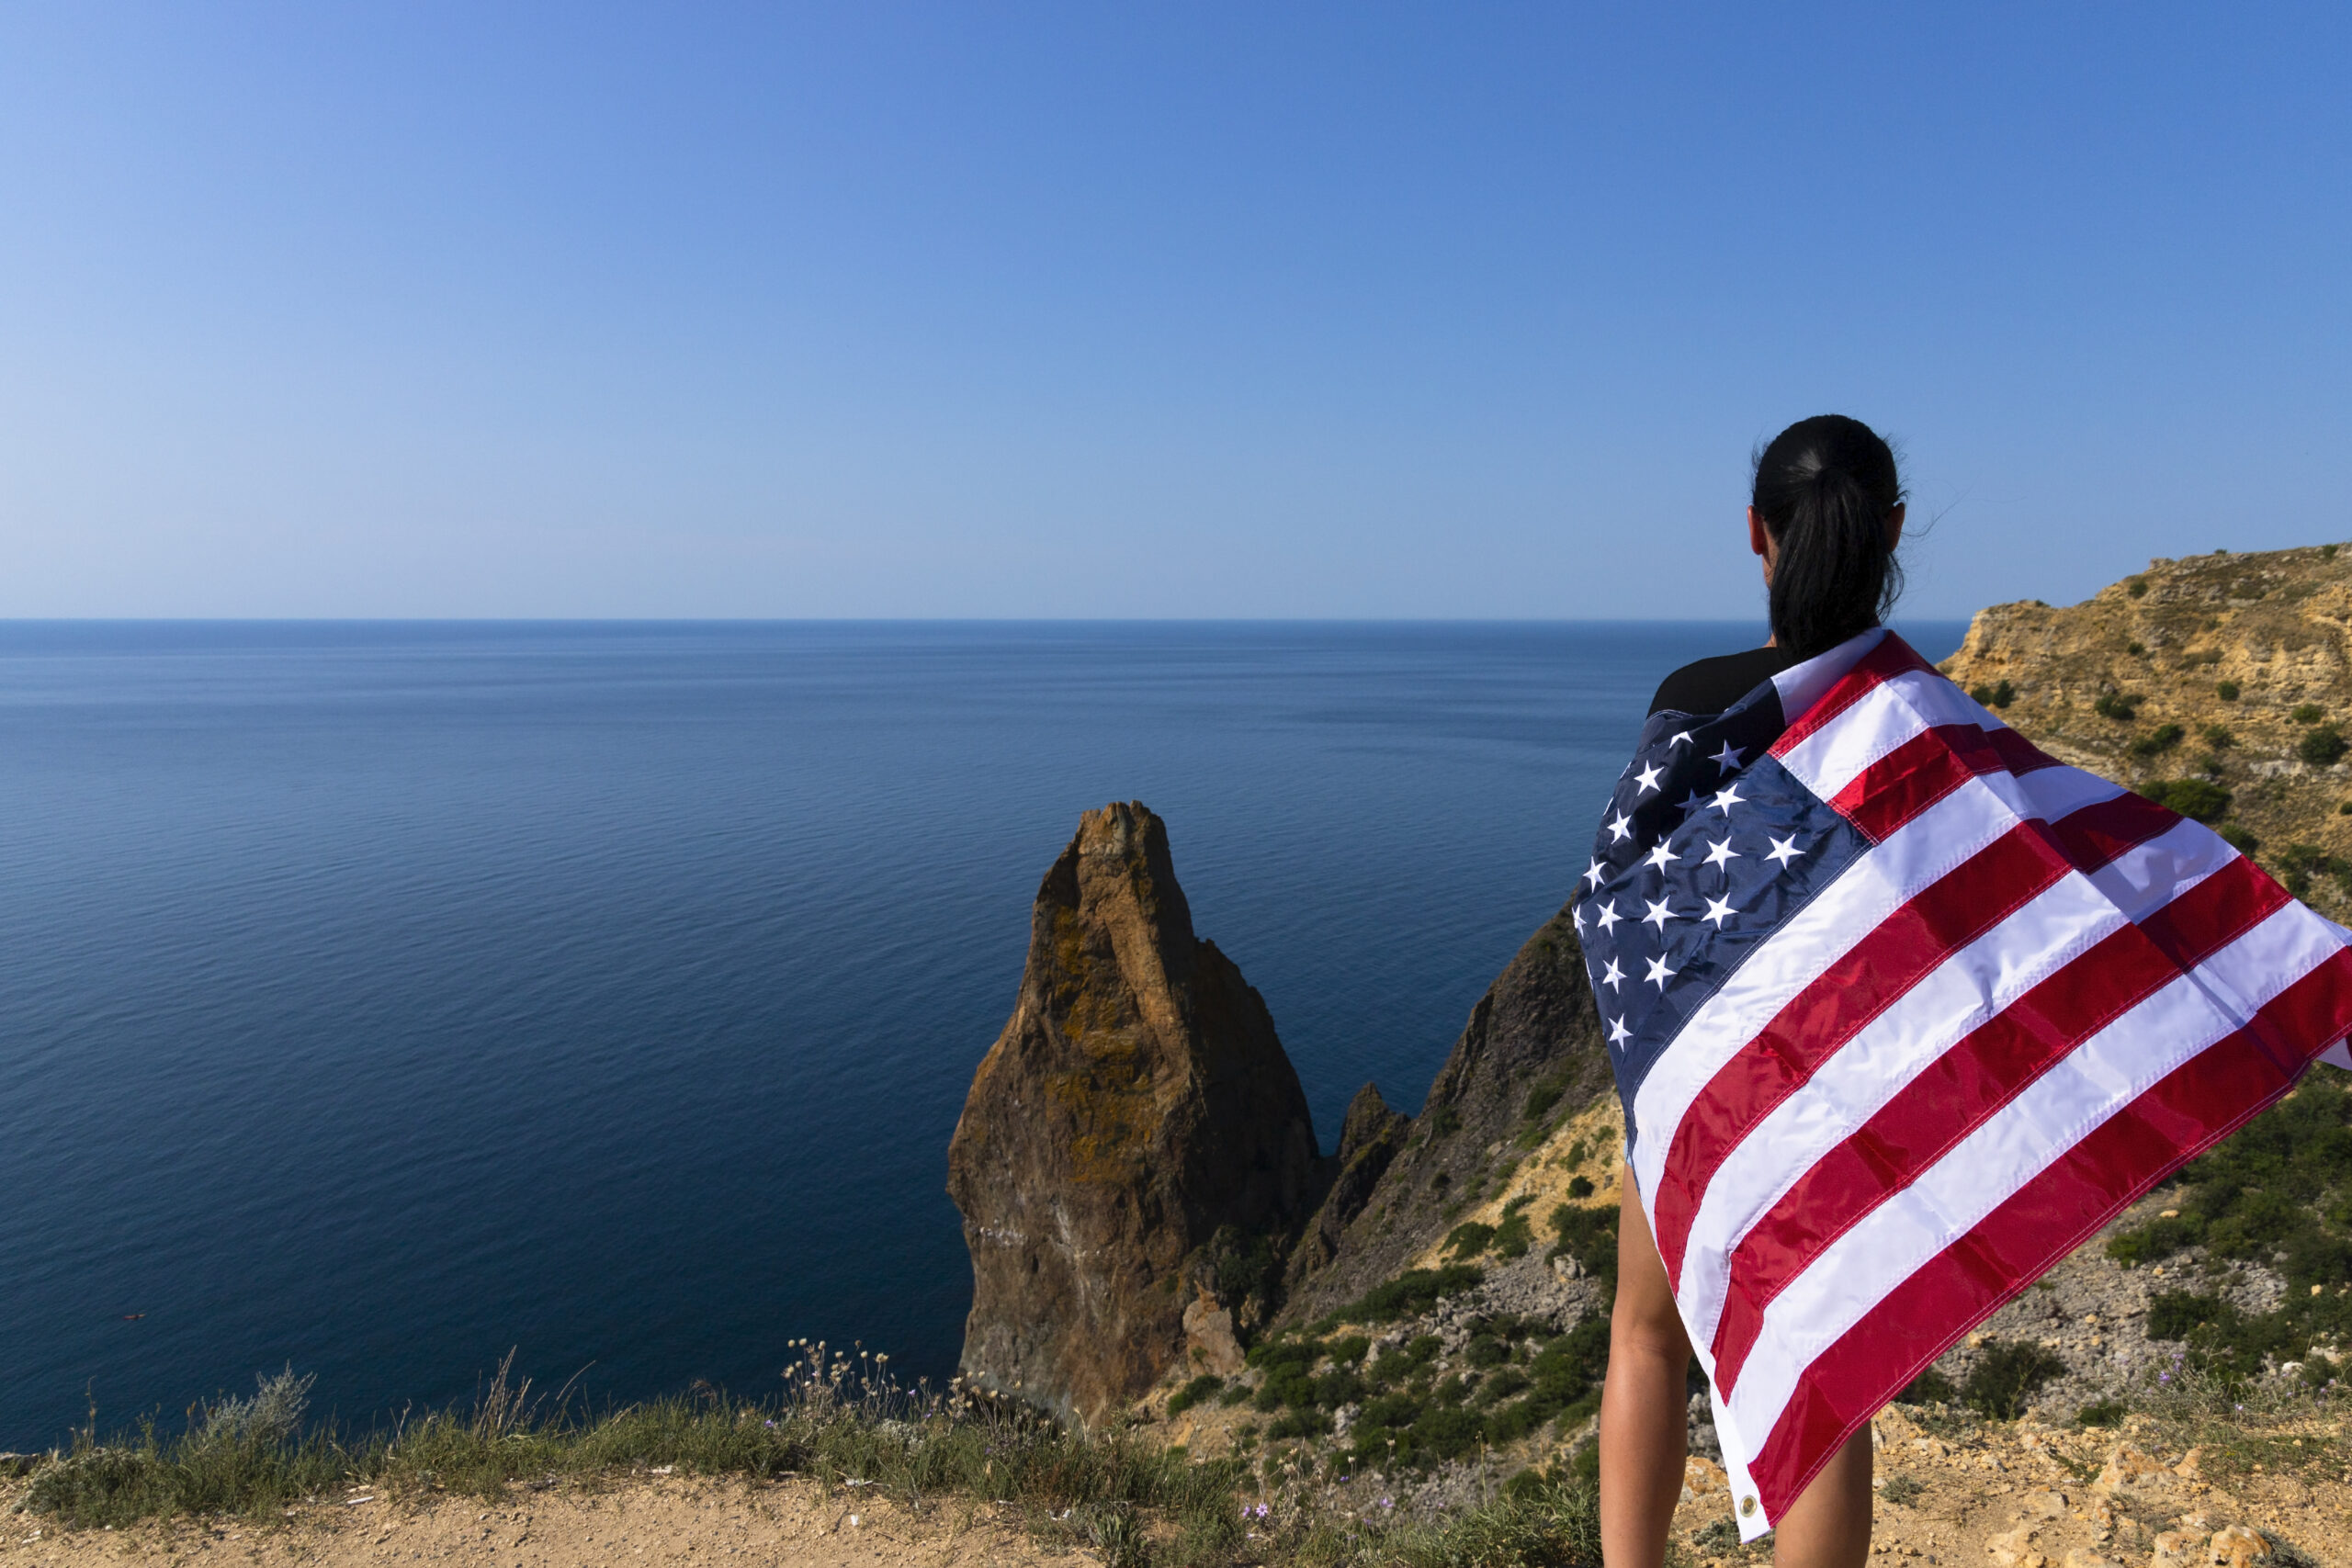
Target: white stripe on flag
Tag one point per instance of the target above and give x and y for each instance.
(1817, 936)
(1802, 685)
(2100, 1077)
(1846, 1090)
(1888, 714)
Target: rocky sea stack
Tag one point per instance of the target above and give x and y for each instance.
(1136, 1132)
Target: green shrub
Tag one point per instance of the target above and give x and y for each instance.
(2136, 649)
(2137, 587)
(2237, 837)
(2307, 713)
(2297, 863)
(1587, 1232)
(1514, 1236)
(2218, 737)
(2164, 737)
(1469, 1239)
(1338, 1386)
(1579, 1187)
(2118, 706)
(1981, 695)
(2174, 1314)
(1930, 1387)
(2199, 799)
(1299, 1424)
(1902, 1489)
(2227, 691)
(1409, 1294)
(1501, 1385)
(2278, 1191)
(1193, 1392)
(1350, 1351)
(2004, 694)
(2100, 1413)
(1546, 1095)
(2327, 552)
(2322, 747)
(2006, 1376)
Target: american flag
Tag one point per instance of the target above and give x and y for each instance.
(1902, 1011)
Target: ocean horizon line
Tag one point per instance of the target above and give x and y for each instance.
(895, 621)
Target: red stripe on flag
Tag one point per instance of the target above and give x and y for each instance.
(1891, 658)
(2094, 836)
(1953, 1096)
(2200, 1103)
(1909, 944)
(1928, 767)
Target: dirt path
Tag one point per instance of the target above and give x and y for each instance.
(791, 1524)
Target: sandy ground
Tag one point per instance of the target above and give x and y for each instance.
(2025, 1495)
(792, 1524)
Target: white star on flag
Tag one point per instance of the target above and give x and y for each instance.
(1597, 873)
(1725, 799)
(1659, 973)
(1659, 914)
(1612, 977)
(1661, 856)
(1647, 778)
(1783, 850)
(1618, 1033)
(1608, 916)
(1680, 738)
(1728, 758)
(1722, 854)
(1620, 826)
(1718, 910)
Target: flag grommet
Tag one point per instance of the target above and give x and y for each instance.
(1747, 1507)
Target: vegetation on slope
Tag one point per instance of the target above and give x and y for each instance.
(842, 1421)
(2278, 1193)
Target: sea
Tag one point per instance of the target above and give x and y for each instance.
(381, 1000)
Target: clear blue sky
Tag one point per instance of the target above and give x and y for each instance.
(1146, 309)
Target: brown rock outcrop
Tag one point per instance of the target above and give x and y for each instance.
(1137, 1104)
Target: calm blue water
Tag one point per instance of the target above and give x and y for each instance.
(375, 997)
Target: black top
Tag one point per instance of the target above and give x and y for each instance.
(1710, 685)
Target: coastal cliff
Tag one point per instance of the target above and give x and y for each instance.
(1136, 1130)
(1429, 1302)
(1531, 1057)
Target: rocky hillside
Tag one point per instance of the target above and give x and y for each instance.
(1530, 1058)
(2220, 683)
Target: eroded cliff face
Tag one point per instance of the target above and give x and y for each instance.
(1136, 1105)
(1530, 1058)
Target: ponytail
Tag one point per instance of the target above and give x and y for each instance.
(1824, 488)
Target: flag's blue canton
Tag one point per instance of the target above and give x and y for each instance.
(1708, 845)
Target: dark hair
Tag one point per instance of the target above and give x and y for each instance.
(1824, 487)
